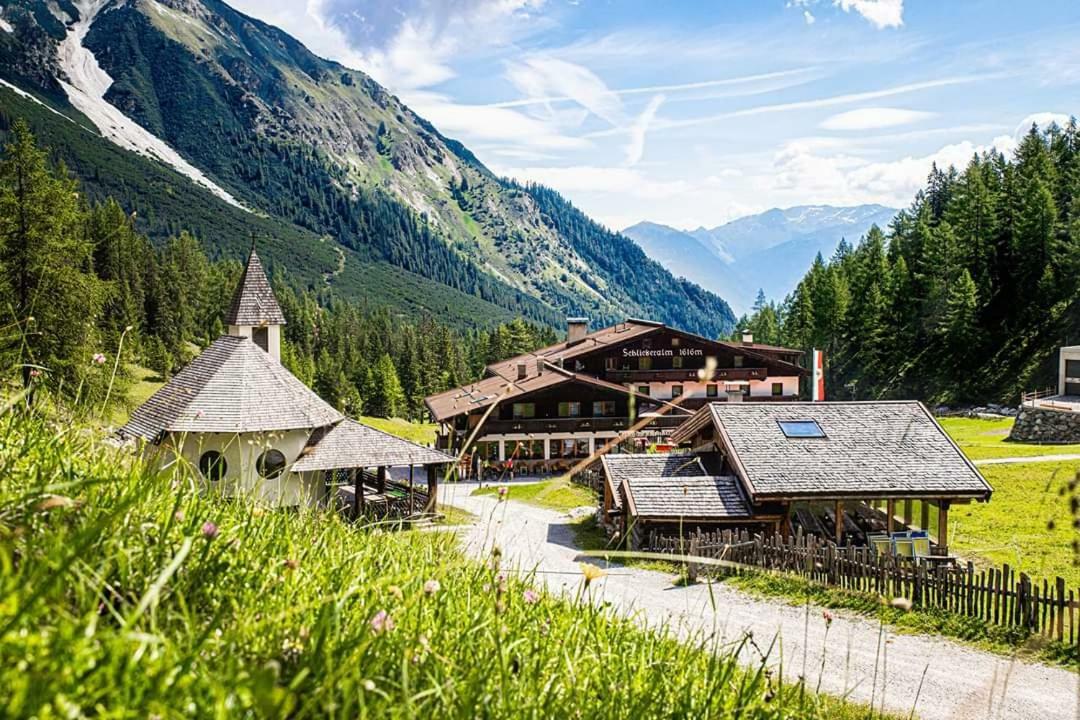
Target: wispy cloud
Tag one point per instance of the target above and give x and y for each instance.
(636, 147)
(872, 118)
(879, 13)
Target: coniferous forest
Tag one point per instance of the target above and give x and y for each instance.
(82, 287)
(965, 297)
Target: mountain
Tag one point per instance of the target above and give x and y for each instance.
(201, 118)
(769, 251)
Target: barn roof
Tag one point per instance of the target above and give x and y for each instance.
(620, 467)
(254, 302)
(865, 449)
(704, 497)
(233, 386)
(350, 444)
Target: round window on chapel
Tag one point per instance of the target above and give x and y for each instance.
(212, 465)
(271, 463)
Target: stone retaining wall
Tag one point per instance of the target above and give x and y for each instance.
(1041, 425)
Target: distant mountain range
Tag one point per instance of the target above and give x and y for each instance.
(770, 251)
(201, 118)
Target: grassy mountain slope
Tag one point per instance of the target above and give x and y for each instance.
(327, 149)
(166, 203)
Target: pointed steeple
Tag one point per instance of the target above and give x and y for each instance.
(254, 311)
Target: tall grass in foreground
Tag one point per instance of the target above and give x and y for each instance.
(125, 593)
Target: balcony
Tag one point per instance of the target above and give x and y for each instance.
(684, 375)
(537, 426)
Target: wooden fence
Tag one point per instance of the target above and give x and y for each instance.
(1002, 597)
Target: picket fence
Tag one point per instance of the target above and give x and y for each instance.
(1002, 597)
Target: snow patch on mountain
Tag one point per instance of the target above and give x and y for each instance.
(86, 86)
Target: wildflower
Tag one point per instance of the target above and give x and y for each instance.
(209, 530)
(396, 592)
(178, 516)
(35, 373)
(531, 597)
(591, 573)
(827, 616)
(99, 359)
(55, 501)
(901, 603)
(129, 328)
(503, 490)
(382, 622)
(369, 685)
(431, 587)
(500, 583)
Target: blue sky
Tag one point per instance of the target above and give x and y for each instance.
(693, 113)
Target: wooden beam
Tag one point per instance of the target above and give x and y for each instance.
(907, 513)
(432, 487)
(356, 494)
(380, 479)
(943, 526)
(839, 521)
(924, 516)
(890, 512)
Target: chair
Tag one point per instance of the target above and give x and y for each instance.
(921, 543)
(904, 548)
(882, 545)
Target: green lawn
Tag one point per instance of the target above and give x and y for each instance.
(984, 439)
(423, 433)
(119, 590)
(555, 494)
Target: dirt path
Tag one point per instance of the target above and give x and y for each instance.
(1030, 459)
(959, 683)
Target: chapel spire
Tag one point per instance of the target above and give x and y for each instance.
(254, 311)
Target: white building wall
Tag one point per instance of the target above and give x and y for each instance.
(1071, 352)
(241, 451)
(273, 337)
(694, 389)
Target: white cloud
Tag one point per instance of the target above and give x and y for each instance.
(808, 17)
(636, 147)
(1042, 119)
(873, 118)
(540, 77)
(626, 182)
(880, 13)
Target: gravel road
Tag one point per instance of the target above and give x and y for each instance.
(957, 682)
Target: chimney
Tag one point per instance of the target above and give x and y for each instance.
(576, 329)
(539, 366)
(747, 337)
(522, 371)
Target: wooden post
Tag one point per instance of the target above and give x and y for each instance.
(943, 526)
(358, 488)
(380, 479)
(410, 489)
(924, 515)
(432, 487)
(356, 494)
(907, 513)
(890, 512)
(839, 521)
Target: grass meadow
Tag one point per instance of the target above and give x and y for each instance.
(125, 592)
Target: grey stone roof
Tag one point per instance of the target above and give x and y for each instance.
(233, 386)
(254, 302)
(870, 449)
(700, 497)
(350, 444)
(620, 467)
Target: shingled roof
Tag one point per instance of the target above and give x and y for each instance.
(869, 449)
(254, 302)
(350, 444)
(233, 386)
(620, 467)
(699, 497)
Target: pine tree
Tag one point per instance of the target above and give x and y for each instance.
(388, 398)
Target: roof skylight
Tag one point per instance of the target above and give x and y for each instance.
(801, 428)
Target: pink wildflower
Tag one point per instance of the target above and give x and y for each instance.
(503, 491)
(431, 587)
(382, 622)
(35, 373)
(99, 359)
(531, 597)
(828, 617)
(209, 530)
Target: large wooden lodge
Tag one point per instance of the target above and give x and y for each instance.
(548, 409)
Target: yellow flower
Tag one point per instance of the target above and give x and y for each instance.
(590, 573)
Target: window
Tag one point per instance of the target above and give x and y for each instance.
(261, 337)
(676, 362)
(569, 409)
(647, 343)
(644, 363)
(643, 390)
(487, 450)
(603, 408)
(738, 361)
(675, 342)
(711, 390)
(526, 449)
(524, 410)
(801, 428)
(777, 389)
(611, 362)
(212, 465)
(270, 464)
(676, 391)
